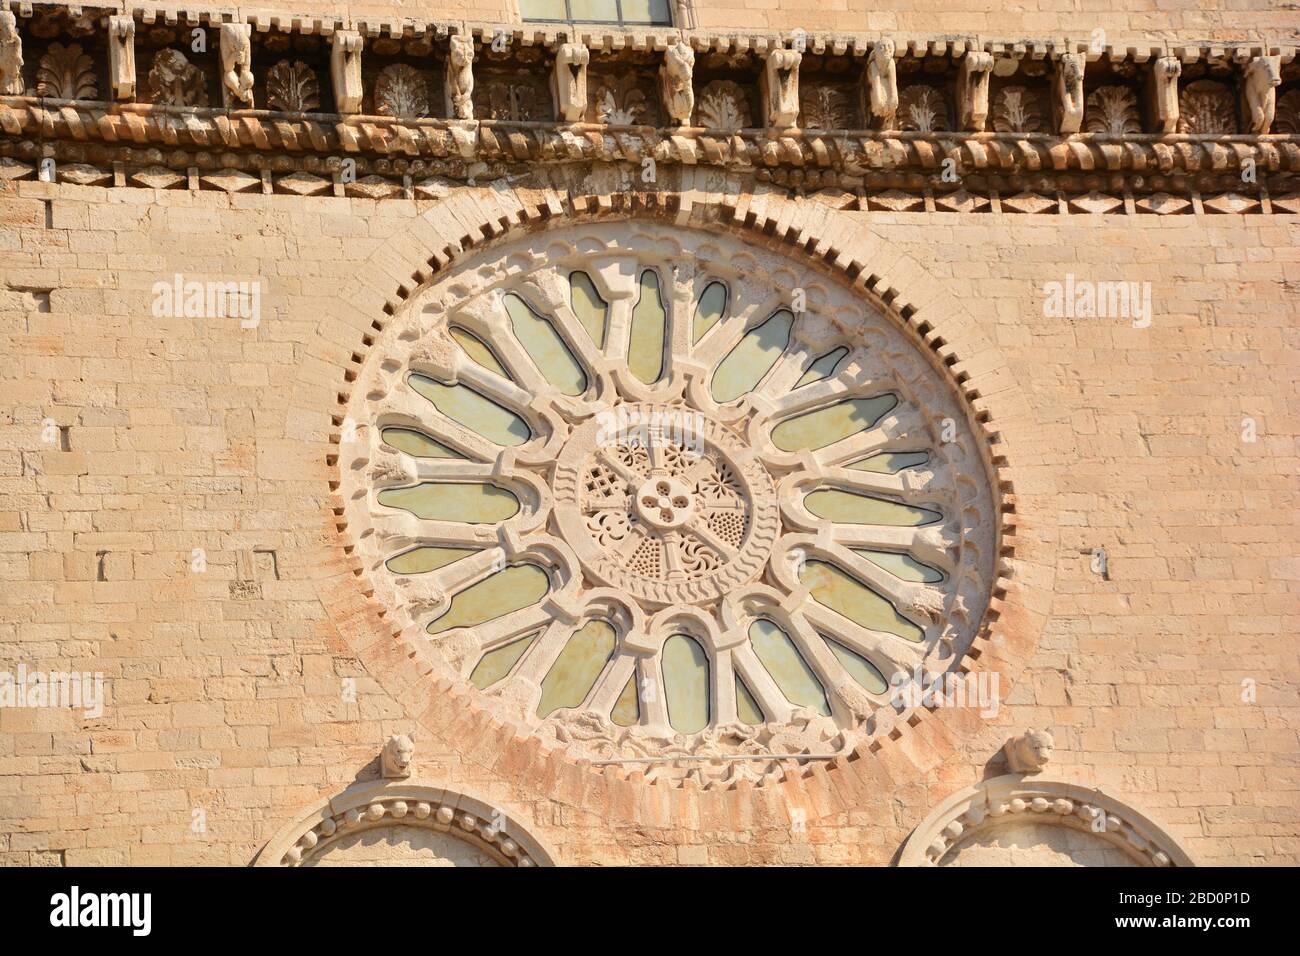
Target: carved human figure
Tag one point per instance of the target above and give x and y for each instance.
(121, 57)
(780, 82)
(236, 65)
(460, 78)
(973, 90)
(1067, 88)
(676, 87)
(398, 753)
(882, 85)
(1029, 752)
(1263, 75)
(11, 56)
(569, 82)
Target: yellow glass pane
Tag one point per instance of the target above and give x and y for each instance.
(480, 415)
(846, 595)
(496, 664)
(686, 684)
(752, 358)
(509, 589)
(627, 709)
(786, 665)
(710, 308)
(826, 426)
(545, 347)
(474, 502)
(423, 560)
(574, 672)
(824, 367)
(477, 351)
(592, 311)
(891, 462)
(747, 708)
(416, 444)
(835, 504)
(858, 667)
(902, 566)
(645, 354)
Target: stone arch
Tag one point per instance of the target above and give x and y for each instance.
(811, 231)
(1094, 827)
(447, 824)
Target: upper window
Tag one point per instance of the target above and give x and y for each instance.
(621, 12)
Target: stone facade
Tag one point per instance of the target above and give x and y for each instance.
(189, 502)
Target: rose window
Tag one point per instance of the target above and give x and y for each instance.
(667, 499)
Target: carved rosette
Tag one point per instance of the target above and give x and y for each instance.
(665, 491)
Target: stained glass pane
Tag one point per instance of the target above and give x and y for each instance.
(858, 667)
(824, 367)
(627, 709)
(747, 708)
(891, 463)
(645, 354)
(710, 308)
(834, 504)
(574, 672)
(686, 684)
(848, 596)
(826, 426)
(545, 347)
(475, 502)
(508, 590)
(423, 560)
(416, 444)
(467, 407)
(477, 351)
(902, 565)
(592, 311)
(786, 665)
(497, 664)
(752, 358)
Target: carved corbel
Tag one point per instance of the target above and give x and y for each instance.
(345, 70)
(1259, 92)
(1067, 93)
(1162, 93)
(11, 56)
(121, 57)
(973, 90)
(236, 65)
(569, 82)
(459, 87)
(676, 83)
(880, 83)
(780, 83)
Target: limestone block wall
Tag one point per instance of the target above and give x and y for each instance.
(176, 532)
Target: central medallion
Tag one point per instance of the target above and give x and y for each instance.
(664, 504)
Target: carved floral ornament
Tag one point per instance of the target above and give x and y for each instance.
(651, 505)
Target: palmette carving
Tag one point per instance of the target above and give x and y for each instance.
(66, 73)
(723, 105)
(11, 56)
(1287, 116)
(826, 107)
(175, 81)
(1113, 110)
(459, 85)
(675, 83)
(922, 109)
(292, 87)
(1017, 109)
(1206, 106)
(401, 90)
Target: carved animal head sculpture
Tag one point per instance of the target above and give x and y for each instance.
(395, 761)
(11, 56)
(570, 81)
(1263, 75)
(1029, 752)
(675, 82)
(781, 86)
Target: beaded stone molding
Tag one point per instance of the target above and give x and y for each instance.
(300, 105)
(1015, 798)
(377, 806)
(658, 493)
